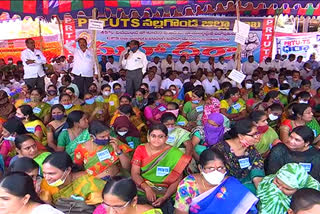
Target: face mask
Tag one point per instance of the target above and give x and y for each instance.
(175, 112)
(106, 93)
(122, 133)
(248, 85)
(101, 142)
(273, 117)
(303, 101)
(66, 107)
(27, 100)
(214, 177)
(294, 96)
(89, 101)
(277, 101)
(262, 129)
(134, 49)
(195, 101)
(269, 85)
(93, 91)
(285, 92)
(174, 92)
(10, 138)
(117, 91)
(170, 130)
(167, 99)
(157, 103)
(58, 116)
(52, 92)
(58, 182)
(234, 99)
(19, 118)
(10, 61)
(139, 99)
(308, 69)
(185, 72)
(35, 99)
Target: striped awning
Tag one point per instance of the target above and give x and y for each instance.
(48, 8)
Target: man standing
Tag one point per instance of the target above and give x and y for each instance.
(136, 63)
(33, 60)
(83, 65)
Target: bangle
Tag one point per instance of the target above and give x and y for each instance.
(119, 153)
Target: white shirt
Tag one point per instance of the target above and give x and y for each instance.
(266, 66)
(289, 65)
(45, 208)
(210, 87)
(115, 66)
(166, 83)
(197, 82)
(299, 65)
(122, 55)
(306, 74)
(135, 61)
(207, 66)
(248, 67)
(151, 64)
(35, 69)
(123, 84)
(231, 64)
(276, 65)
(221, 66)
(314, 83)
(179, 66)
(194, 66)
(220, 81)
(83, 63)
(165, 65)
(154, 84)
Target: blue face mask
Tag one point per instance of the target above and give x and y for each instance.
(134, 49)
(101, 142)
(117, 91)
(58, 116)
(195, 101)
(157, 103)
(10, 138)
(66, 107)
(89, 101)
(27, 100)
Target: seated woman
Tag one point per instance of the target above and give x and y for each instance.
(243, 160)
(233, 107)
(7, 109)
(62, 181)
(284, 92)
(74, 99)
(298, 149)
(122, 200)
(93, 89)
(155, 109)
(66, 101)
(157, 167)
(76, 133)
(19, 196)
(40, 109)
(272, 85)
(24, 96)
(32, 123)
(201, 192)
(102, 156)
(174, 109)
(95, 110)
(57, 124)
(274, 113)
(270, 98)
(27, 147)
(302, 115)
(112, 100)
(257, 97)
(127, 132)
(275, 190)
(139, 101)
(52, 97)
(305, 201)
(269, 137)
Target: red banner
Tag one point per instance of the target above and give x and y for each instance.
(267, 39)
(69, 31)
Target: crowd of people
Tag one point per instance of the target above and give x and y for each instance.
(158, 137)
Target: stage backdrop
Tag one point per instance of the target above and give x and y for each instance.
(189, 36)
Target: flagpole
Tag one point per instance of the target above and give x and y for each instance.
(61, 36)
(94, 47)
(238, 53)
(40, 35)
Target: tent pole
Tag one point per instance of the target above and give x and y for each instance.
(238, 53)
(61, 36)
(40, 35)
(94, 47)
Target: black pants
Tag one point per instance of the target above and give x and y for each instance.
(36, 83)
(133, 81)
(83, 84)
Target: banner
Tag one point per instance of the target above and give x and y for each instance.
(189, 36)
(300, 44)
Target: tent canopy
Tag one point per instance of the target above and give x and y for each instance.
(48, 8)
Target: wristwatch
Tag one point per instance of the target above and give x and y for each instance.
(119, 153)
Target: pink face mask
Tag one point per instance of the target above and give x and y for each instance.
(175, 112)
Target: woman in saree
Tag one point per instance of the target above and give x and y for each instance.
(63, 180)
(256, 98)
(302, 115)
(95, 110)
(57, 124)
(155, 109)
(243, 160)
(66, 101)
(40, 109)
(74, 99)
(127, 132)
(117, 199)
(24, 96)
(107, 97)
(102, 156)
(157, 167)
(270, 98)
(76, 133)
(32, 123)
(7, 109)
(211, 191)
(52, 97)
(275, 191)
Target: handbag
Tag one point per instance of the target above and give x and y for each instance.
(72, 206)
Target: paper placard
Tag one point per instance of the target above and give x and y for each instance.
(243, 28)
(240, 39)
(95, 25)
(237, 76)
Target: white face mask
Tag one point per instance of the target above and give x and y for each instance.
(122, 133)
(185, 72)
(174, 92)
(273, 117)
(248, 85)
(285, 92)
(303, 101)
(170, 129)
(214, 178)
(106, 93)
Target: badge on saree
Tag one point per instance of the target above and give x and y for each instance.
(315, 133)
(244, 163)
(236, 106)
(161, 108)
(131, 144)
(181, 123)
(162, 171)
(199, 108)
(36, 110)
(30, 129)
(103, 155)
(306, 166)
(171, 139)
(111, 103)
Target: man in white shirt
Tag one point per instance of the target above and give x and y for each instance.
(232, 63)
(290, 64)
(196, 64)
(136, 64)
(249, 66)
(111, 64)
(276, 63)
(182, 63)
(209, 65)
(83, 66)
(167, 63)
(171, 80)
(155, 62)
(266, 65)
(153, 83)
(315, 81)
(221, 64)
(193, 80)
(299, 63)
(210, 85)
(33, 60)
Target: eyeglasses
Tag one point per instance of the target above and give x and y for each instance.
(219, 169)
(116, 207)
(255, 135)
